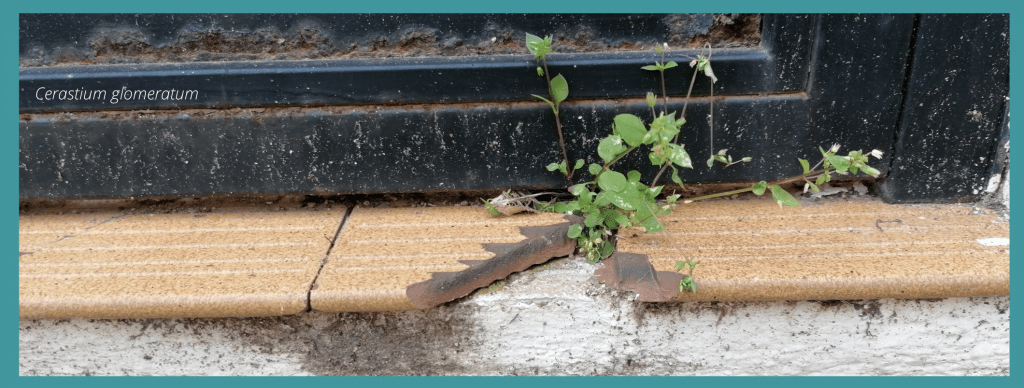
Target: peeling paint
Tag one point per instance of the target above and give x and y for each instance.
(541, 244)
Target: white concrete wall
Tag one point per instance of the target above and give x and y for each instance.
(559, 320)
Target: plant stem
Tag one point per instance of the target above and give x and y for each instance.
(617, 158)
(686, 102)
(778, 182)
(558, 123)
(683, 115)
(711, 121)
(664, 94)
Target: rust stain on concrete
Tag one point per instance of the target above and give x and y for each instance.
(832, 249)
(220, 264)
(541, 244)
(634, 272)
(447, 252)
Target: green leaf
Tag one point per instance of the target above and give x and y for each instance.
(670, 65)
(579, 163)
(612, 181)
(840, 163)
(653, 225)
(654, 191)
(814, 187)
(532, 41)
(679, 156)
(650, 67)
(759, 187)
(675, 176)
(591, 220)
(631, 129)
(689, 285)
(667, 135)
(821, 180)
(615, 216)
(578, 190)
(575, 230)
(673, 198)
(559, 89)
(644, 210)
(711, 161)
(543, 206)
(657, 158)
(680, 265)
(610, 147)
(710, 74)
(606, 249)
(540, 71)
(782, 197)
(854, 169)
(537, 46)
(805, 164)
(594, 169)
(871, 171)
(490, 208)
(552, 166)
(633, 176)
(561, 207)
(617, 199)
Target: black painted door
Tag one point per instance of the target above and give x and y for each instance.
(275, 125)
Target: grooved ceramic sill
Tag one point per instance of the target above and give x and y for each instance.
(255, 263)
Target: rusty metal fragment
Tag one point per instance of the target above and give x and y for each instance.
(541, 244)
(634, 272)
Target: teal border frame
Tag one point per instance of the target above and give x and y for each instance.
(9, 162)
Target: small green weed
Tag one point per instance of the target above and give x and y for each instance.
(611, 200)
(687, 283)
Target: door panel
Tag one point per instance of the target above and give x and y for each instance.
(459, 122)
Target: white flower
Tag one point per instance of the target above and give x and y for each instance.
(666, 46)
(568, 213)
(835, 148)
(876, 153)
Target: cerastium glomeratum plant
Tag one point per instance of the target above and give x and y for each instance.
(613, 200)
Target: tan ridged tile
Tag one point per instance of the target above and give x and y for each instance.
(381, 252)
(35, 230)
(835, 249)
(136, 255)
(175, 265)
